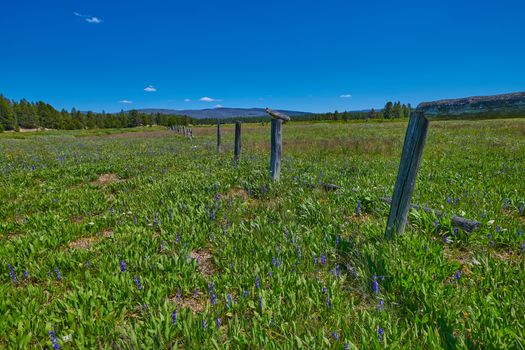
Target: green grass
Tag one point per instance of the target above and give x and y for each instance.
(55, 214)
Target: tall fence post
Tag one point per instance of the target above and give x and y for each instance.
(407, 174)
(276, 143)
(218, 135)
(237, 147)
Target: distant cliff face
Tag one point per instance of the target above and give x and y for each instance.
(479, 106)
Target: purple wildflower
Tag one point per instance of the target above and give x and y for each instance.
(455, 231)
(218, 322)
(323, 259)
(229, 299)
(445, 239)
(122, 266)
(244, 293)
(381, 305)
(195, 292)
(26, 274)
(436, 224)
(457, 276)
(213, 299)
(335, 336)
(57, 273)
(375, 285)
(358, 208)
(12, 273)
(257, 282)
(174, 317)
(380, 334)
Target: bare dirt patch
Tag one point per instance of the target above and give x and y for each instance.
(82, 243)
(204, 262)
(196, 304)
(106, 179)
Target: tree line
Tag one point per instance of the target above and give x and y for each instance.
(28, 115)
(15, 115)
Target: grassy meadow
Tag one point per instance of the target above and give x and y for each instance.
(144, 239)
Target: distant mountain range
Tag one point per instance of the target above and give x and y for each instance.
(220, 113)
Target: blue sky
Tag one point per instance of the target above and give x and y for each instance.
(302, 55)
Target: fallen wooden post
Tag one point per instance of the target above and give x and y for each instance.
(470, 107)
(465, 224)
(237, 146)
(276, 142)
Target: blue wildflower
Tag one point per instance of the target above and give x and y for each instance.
(436, 224)
(218, 322)
(381, 305)
(457, 276)
(229, 299)
(26, 274)
(257, 282)
(455, 231)
(323, 259)
(54, 340)
(213, 299)
(174, 317)
(335, 336)
(244, 293)
(122, 266)
(375, 285)
(358, 208)
(380, 334)
(137, 282)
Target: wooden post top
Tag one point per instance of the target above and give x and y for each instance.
(478, 106)
(277, 115)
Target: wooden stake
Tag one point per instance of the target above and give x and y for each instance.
(237, 147)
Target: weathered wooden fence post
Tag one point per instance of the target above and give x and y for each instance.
(407, 173)
(218, 135)
(237, 146)
(477, 107)
(276, 142)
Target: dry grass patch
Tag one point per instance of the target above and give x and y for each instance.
(237, 192)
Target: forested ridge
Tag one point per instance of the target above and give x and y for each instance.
(16, 115)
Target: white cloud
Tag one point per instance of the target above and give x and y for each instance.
(125, 101)
(150, 88)
(187, 100)
(346, 96)
(95, 20)
(218, 106)
(88, 18)
(209, 99)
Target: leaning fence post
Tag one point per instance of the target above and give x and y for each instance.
(477, 107)
(407, 173)
(276, 142)
(237, 147)
(218, 136)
